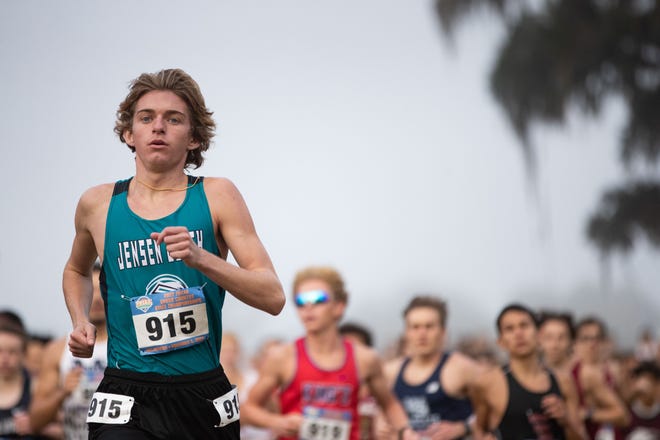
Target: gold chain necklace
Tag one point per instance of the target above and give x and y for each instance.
(187, 187)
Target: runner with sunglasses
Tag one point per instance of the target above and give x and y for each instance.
(320, 374)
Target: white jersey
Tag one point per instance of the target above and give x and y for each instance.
(75, 406)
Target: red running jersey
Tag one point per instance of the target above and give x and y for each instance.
(329, 396)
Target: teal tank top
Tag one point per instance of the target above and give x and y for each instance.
(134, 267)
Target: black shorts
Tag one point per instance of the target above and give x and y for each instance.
(167, 407)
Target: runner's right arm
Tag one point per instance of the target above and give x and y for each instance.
(609, 408)
(77, 277)
(271, 377)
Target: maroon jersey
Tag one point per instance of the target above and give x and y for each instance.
(593, 428)
(643, 424)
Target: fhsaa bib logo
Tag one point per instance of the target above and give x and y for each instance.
(143, 303)
(165, 283)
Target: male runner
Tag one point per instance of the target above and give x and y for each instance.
(367, 406)
(601, 408)
(644, 403)
(556, 335)
(163, 238)
(319, 375)
(15, 381)
(524, 400)
(433, 384)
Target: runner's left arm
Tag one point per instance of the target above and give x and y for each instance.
(389, 404)
(254, 280)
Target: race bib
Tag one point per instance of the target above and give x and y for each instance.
(228, 407)
(325, 424)
(113, 409)
(170, 320)
(605, 433)
(643, 433)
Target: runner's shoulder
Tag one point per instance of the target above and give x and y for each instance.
(96, 195)
(365, 354)
(220, 185)
(490, 376)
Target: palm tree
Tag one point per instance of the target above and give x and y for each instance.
(560, 54)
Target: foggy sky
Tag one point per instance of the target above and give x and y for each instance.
(358, 136)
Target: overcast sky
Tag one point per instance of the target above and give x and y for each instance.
(358, 136)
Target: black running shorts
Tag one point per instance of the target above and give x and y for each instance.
(167, 407)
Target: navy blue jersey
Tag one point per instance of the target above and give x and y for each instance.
(427, 402)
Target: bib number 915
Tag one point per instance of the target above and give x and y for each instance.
(109, 408)
(187, 325)
(227, 407)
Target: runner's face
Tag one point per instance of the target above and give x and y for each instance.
(518, 335)
(424, 333)
(588, 342)
(161, 132)
(318, 317)
(645, 387)
(555, 341)
(12, 354)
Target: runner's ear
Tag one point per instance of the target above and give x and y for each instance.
(193, 144)
(128, 137)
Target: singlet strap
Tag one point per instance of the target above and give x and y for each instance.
(575, 373)
(195, 179)
(554, 385)
(27, 389)
(121, 186)
(434, 374)
(443, 359)
(399, 376)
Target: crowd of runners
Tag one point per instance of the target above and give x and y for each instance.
(542, 374)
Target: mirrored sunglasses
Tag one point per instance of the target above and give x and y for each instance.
(311, 297)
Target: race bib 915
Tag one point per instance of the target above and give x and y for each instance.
(114, 409)
(170, 320)
(228, 407)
